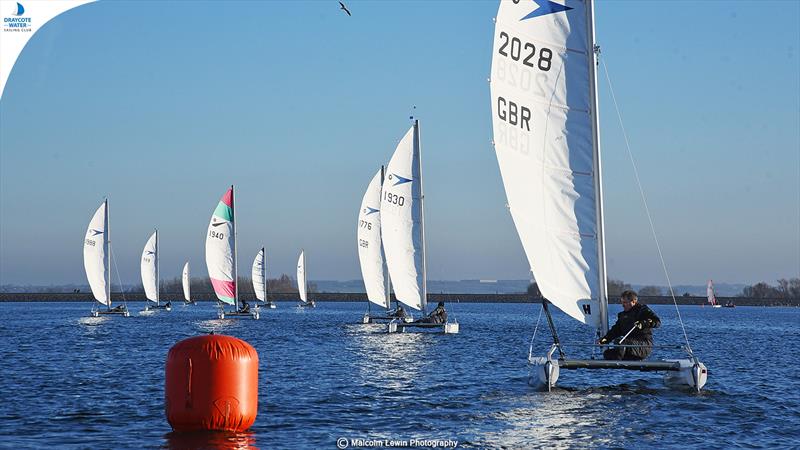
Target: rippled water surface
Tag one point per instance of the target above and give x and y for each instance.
(70, 381)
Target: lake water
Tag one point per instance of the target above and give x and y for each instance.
(70, 381)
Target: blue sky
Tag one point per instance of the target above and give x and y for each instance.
(161, 106)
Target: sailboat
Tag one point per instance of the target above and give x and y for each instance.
(96, 259)
(546, 136)
(302, 282)
(370, 253)
(403, 231)
(150, 275)
(221, 258)
(260, 278)
(712, 298)
(186, 281)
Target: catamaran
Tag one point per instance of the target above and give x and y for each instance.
(260, 278)
(370, 254)
(712, 297)
(96, 260)
(186, 281)
(150, 276)
(403, 232)
(221, 258)
(302, 282)
(546, 136)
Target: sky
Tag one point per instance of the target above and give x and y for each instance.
(162, 106)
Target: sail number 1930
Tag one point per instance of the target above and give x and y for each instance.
(514, 48)
(394, 199)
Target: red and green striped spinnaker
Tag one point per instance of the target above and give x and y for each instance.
(220, 250)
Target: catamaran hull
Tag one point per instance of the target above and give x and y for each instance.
(544, 374)
(367, 319)
(111, 313)
(238, 315)
(401, 327)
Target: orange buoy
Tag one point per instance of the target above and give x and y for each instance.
(211, 384)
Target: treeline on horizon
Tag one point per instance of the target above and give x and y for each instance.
(785, 289)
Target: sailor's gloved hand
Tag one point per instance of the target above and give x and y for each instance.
(650, 323)
(639, 324)
(603, 341)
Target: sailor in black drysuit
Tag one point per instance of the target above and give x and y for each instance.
(633, 315)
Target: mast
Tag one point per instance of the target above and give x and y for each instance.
(264, 272)
(601, 242)
(418, 150)
(158, 278)
(235, 253)
(107, 257)
(388, 295)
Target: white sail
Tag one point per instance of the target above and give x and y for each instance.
(260, 275)
(712, 299)
(370, 250)
(220, 250)
(401, 221)
(301, 276)
(150, 268)
(96, 255)
(186, 282)
(545, 137)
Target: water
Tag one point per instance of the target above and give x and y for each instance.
(69, 381)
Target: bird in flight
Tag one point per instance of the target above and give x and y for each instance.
(344, 8)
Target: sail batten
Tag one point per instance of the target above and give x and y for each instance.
(370, 248)
(542, 89)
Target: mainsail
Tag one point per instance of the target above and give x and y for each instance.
(96, 255)
(186, 282)
(149, 267)
(402, 225)
(220, 250)
(301, 276)
(545, 136)
(370, 250)
(712, 299)
(260, 275)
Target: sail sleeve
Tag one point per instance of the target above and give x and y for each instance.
(95, 255)
(258, 275)
(301, 277)
(401, 222)
(542, 120)
(148, 268)
(370, 251)
(220, 250)
(186, 282)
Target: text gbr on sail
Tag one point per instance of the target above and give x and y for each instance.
(508, 111)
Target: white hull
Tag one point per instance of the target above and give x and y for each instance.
(402, 327)
(238, 315)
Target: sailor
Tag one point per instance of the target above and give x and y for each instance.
(245, 307)
(637, 319)
(438, 315)
(399, 313)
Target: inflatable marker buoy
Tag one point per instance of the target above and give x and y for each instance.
(211, 384)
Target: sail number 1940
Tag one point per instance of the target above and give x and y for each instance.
(514, 48)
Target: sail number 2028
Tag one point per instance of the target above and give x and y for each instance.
(514, 48)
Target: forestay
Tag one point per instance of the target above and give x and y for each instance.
(149, 267)
(186, 284)
(401, 221)
(301, 276)
(259, 275)
(370, 251)
(545, 138)
(220, 251)
(96, 255)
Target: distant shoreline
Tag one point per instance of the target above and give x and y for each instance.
(362, 297)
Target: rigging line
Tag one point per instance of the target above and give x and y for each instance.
(121, 287)
(535, 329)
(644, 201)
